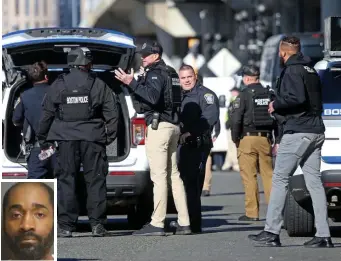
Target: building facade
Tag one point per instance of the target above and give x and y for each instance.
(25, 14)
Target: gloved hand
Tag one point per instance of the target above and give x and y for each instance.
(183, 137)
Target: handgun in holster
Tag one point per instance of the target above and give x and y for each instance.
(155, 120)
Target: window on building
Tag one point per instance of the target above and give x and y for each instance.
(46, 24)
(27, 7)
(45, 7)
(15, 27)
(36, 7)
(17, 4)
(27, 25)
(37, 25)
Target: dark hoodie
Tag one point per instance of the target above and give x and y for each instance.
(298, 91)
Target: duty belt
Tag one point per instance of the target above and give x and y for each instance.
(260, 134)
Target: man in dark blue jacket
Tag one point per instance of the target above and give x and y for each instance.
(27, 111)
(199, 114)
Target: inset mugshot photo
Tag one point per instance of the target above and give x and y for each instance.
(28, 220)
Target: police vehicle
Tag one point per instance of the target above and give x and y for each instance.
(128, 181)
(298, 214)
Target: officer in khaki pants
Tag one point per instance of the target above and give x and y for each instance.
(206, 190)
(152, 92)
(251, 129)
(231, 161)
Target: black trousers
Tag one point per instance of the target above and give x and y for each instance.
(69, 156)
(192, 163)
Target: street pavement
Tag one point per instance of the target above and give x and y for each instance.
(224, 237)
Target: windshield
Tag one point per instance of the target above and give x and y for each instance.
(331, 81)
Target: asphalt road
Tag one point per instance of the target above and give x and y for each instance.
(224, 237)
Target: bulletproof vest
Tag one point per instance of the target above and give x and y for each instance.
(260, 99)
(76, 102)
(313, 87)
(172, 92)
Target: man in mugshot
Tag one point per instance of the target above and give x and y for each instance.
(27, 222)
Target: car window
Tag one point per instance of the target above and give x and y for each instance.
(331, 81)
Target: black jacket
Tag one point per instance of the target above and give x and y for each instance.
(199, 111)
(292, 99)
(149, 93)
(100, 130)
(241, 116)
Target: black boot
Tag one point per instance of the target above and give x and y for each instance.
(317, 242)
(63, 233)
(266, 238)
(99, 231)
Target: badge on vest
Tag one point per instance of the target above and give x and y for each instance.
(77, 100)
(209, 98)
(262, 102)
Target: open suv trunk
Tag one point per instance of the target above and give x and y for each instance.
(110, 51)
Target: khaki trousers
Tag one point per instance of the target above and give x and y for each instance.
(231, 160)
(255, 151)
(161, 147)
(208, 174)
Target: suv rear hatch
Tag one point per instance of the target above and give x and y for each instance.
(110, 50)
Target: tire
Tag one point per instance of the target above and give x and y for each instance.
(297, 220)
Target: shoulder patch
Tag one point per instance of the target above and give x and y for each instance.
(236, 103)
(154, 77)
(309, 69)
(17, 102)
(209, 97)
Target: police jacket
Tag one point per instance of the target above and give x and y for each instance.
(199, 111)
(299, 97)
(28, 108)
(250, 112)
(149, 93)
(79, 106)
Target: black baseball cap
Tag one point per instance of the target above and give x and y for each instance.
(250, 70)
(149, 48)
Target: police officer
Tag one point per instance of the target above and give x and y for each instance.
(152, 92)
(199, 114)
(251, 130)
(27, 112)
(299, 100)
(231, 161)
(83, 111)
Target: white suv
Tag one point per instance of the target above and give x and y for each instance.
(128, 180)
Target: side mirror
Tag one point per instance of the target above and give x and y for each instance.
(222, 101)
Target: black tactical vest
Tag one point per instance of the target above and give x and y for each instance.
(313, 87)
(172, 91)
(76, 103)
(260, 99)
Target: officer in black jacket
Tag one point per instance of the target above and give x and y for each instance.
(251, 129)
(158, 95)
(27, 112)
(82, 111)
(199, 114)
(299, 101)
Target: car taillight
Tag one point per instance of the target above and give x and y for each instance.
(14, 174)
(138, 131)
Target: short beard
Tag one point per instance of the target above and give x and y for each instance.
(281, 62)
(29, 251)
